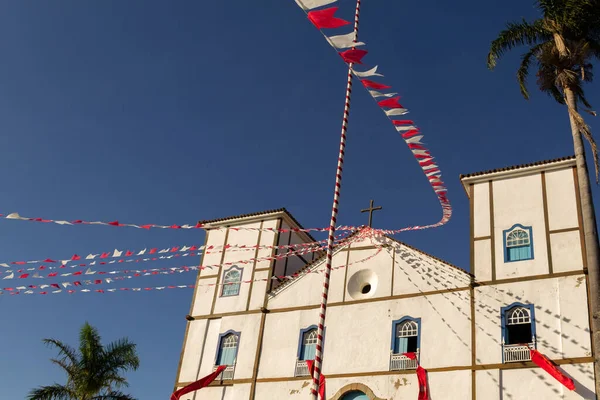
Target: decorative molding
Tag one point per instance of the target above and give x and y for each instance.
(354, 387)
(564, 230)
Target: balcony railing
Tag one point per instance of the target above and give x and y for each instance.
(227, 373)
(399, 362)
(517, 352)
(301, 368)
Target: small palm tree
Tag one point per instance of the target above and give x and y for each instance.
(563, 43)
(93, 373)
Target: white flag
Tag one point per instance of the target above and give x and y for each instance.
(14, 216)
(344, 41)
(91, 256)
(376, 94)
(405, 128)
(415, 139)
(371, 72)
(310, 4)
(141, 252)
(396, 111)
(117, 253)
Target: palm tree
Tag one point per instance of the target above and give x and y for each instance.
(93, 373)
(563, 43)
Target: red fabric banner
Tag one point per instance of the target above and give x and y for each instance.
(311, 370)
(390, 103)
(373, 85)
(199, 384)
(422, 376)
(353, 55)
(412, 356)
(325, 18)
(411, 133)
(550, 368)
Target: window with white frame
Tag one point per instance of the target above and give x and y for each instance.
(406, 337)
(228, 347)
(518, 243)
(309, 345)
(231, 282)
(518, 326)
(518, 332)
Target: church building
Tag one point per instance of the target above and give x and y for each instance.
(527, 289)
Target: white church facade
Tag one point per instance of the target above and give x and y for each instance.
(471, 332)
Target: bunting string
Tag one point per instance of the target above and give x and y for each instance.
(324, 18)
(29, 289)
(17, 216)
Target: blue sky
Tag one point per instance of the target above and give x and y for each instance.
(170, 112)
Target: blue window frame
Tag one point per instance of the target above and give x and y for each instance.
(227, 348)
(307, 343)
(518, 324)
(518, 243)
(231, 281)
(406, 335)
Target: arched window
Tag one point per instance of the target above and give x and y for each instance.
(228, 347)
(518, 243)
(406, 335)
(518, 325)
(309, 345)
(231, 282)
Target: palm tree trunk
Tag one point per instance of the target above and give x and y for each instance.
(590, 234)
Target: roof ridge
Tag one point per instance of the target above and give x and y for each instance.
(519, 166)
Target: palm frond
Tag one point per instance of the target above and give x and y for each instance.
(114, 395)
(65, 351)
(121, 355)
(523, 71)
(517, 34)
(52, 392)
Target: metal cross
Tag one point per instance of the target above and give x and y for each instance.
(370, 211)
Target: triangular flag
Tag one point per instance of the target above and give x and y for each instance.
(117, 253)
(325, 18)
(310, 4)
(376, 94)
(364, 74)
(390, 103)
(353, 56)
(344, 41)
(374, 85)
(396, 111)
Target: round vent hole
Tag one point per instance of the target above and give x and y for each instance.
(366, 289)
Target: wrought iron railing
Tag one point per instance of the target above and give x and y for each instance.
(517, 352)
(399, 362)
(301, 368)
(227, 373)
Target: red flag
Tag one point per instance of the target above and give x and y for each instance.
(325, 18)
(77, 283)
(311, 370)
(52, 274)
(114, 223)
(104, 255)
(128, 253)
(193, 248)
(48, 260)
(353, 55)
(411, 356)
(550, 368)
(422, 377)
(55, 285)
(411, 133)
(390, 103)
(174, 249)
(403, 122)
(199, 384)
(97, 281)
(374, 85)
(75, 257)
(152, 251)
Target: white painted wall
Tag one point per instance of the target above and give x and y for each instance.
(519, 200)
(481, 209)
(561, 314)
(483, 259)
(566, 251)
(562, 203)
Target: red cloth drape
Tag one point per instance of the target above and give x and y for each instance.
(199, 384)
(422, 376)
(550, 368)
(311, 370)
(412, 356)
